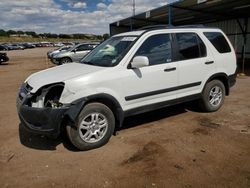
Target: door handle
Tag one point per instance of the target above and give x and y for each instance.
(209, 62)
(170, 69)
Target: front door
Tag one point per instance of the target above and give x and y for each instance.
(154, 83)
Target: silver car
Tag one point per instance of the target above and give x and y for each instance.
(53, 52)
(74, 54)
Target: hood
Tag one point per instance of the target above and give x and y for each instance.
(62, 54)
(59, 74)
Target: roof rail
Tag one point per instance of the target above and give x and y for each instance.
(170, 27)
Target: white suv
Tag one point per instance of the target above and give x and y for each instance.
(127, 74)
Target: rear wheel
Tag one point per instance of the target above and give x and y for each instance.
(94, 127)
(65, 60)
(213, 96)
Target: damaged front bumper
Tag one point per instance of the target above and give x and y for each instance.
(46, 121)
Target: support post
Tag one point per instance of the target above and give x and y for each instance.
(131, 24)
(169, 15)
(244, 44)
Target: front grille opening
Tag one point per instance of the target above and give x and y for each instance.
(20, 96)
(28, 87)
(24, 90)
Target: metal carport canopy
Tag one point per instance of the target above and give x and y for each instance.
(186, 12)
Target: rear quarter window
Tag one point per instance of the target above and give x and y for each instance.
(218, 41)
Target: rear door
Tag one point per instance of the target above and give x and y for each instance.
(195, 63)
(225, 56)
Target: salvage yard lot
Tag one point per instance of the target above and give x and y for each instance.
(172, 147)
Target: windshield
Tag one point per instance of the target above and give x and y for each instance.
(64, 48)
(110, 52)
(73, 47)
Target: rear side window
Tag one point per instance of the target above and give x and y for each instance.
(218, 41)
(157, 48)
(84, 47)
(190, 46)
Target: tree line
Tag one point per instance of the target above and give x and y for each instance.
(53, 35)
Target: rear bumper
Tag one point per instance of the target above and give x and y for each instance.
(232, 79)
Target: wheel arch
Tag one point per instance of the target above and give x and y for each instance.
(66, 57)
(103, 98)
(223, 78)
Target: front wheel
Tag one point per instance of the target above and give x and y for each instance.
(94, 127)
(213, 96)
(65, 60)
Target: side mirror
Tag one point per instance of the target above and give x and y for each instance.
(139, 61)
(74, 50)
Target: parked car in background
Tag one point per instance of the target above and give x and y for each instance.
(8, 46)
(37, 44)
(3, 48)
(68, 43)
(46, 44)
(74, 54)
(51, 53)
(17, 47)
(28, 45)
(3, 57)
(58, 44)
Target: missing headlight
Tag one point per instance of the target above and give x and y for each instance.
(48, 96)
(53, 96)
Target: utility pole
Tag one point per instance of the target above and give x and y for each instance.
(133, 7)
(133, 14)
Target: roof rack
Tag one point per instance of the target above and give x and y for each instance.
(151, 27)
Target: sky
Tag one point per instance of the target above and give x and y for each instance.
(69, 16)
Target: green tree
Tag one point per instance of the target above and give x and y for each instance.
(32, 33)
(20, 32)
(11, 32)
(105, 36)
(3, 33)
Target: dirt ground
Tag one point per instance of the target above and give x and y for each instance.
(173, 147)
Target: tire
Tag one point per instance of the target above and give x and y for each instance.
(213, 96)
(89, 123)
(65, 60)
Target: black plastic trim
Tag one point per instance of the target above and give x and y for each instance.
(160, 105)
(170, 69)
(79, 104)
(157, 92)
(232, 80)
(46, 121)
(209, 62)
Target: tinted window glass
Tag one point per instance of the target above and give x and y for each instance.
(84, 47)
(190, 46)
(157, 48)
(218, 41)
